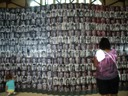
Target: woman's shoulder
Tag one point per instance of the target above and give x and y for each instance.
(113, 51)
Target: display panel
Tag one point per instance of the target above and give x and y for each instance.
(51, 48)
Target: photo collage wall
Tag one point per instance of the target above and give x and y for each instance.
(50, 48)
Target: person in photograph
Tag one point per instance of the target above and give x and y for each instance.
(48, 48)
(55, 38)
(39, 84)
(34, 85)
(18, 86)
(24, 66)
(93, 37)
(49, 84)
(29, 77)
(39, 67)
(7, 67)
(109, 78)
(54, 66)
(7, 15)
(88, 50)
(2, 67)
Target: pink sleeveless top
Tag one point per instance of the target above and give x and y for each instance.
(107, 68)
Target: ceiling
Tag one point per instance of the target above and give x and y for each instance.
(26, 3)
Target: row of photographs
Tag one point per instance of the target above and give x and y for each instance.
(71, 54)
(59, 20)
(52, 75)
(52, 60)
(63, 82)
(50, 67)
(61, 33)
(68, 26)
(60, 47)
(63, 13)
(56, 76)
(58, 67)
(35, 87)
(56, 43)
(78, 45)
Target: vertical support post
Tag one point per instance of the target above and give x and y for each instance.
(54, 1)
(124, 3)
(90, 1)
(104, 2)
(26, 3)
(6, 4)
(41, 2)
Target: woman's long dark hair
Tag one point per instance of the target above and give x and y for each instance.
(104, 44)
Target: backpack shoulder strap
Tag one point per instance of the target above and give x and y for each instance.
(113, 61)
(110, 56)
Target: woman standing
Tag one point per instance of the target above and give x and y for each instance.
(106, 70)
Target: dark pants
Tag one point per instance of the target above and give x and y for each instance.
(108, 86)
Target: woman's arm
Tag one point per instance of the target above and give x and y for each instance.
(95, 63)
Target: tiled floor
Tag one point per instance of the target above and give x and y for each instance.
(121, 93)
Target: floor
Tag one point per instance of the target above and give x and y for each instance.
(121, 93)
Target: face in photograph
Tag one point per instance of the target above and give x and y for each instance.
(112, 21)
(77, 33)
(2, 73)
(87, 19)
(83, 46)
(66, 46)
(49, 61)
(77, 59)
(93, 33)
(23, 73)
(102, 20)
(98, 33)
(70, 6)
(123, 21)
(44, 68)
(117, 21)
(107, 20)
(49, 67)
(34, 73)
(39, 67)
(38, 21)
(66, 61)
(77, 19)
(60, 60)
(108, 33)
(123, 33)
(54, 47)
(83, 61)
(103, 33)
(93, 20)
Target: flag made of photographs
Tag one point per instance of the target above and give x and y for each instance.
(51, 47)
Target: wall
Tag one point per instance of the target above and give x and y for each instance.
(52, 49)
